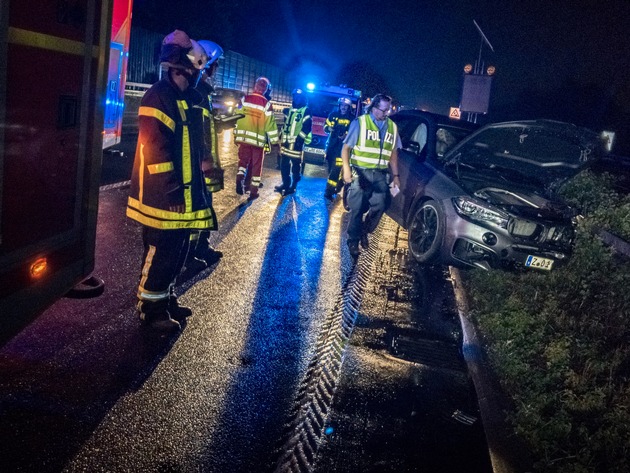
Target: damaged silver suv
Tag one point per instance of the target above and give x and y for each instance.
(488, 198)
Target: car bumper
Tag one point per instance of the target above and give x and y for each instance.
(471, 244)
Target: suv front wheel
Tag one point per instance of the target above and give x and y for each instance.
(426, 232)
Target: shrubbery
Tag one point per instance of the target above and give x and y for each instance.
(560, 342)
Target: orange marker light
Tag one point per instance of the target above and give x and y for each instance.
(39, 268)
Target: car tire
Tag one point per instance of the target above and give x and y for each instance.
(426, 232)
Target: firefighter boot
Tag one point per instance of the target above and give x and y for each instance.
(178, 312)
(253, 193)
(156, 315)
(279, 188)
(209, 255)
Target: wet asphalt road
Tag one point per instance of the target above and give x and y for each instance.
(86, 388)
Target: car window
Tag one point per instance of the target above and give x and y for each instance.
(408, 129)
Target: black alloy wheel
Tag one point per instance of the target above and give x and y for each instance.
(426, 232)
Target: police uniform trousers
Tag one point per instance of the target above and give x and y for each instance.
(368, 192)
(164, 256)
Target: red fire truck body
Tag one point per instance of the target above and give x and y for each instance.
(321, 101)
(53, 88)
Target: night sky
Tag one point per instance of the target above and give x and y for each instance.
(559, 59)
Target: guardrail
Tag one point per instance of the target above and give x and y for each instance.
(136, 89)
(616, 243)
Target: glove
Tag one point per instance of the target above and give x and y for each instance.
(214, 178)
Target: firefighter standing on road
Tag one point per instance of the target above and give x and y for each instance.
(296, 132)
(201, 254)
(336, 126)
(251, 133)
(371, 148)
(167, 184)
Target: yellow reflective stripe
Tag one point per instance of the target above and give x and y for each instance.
(45, 41)
(155, 113)
(141, 177)
(182, 106)
(145, 269)
(169, 224)
(167, 214)
(160, 167)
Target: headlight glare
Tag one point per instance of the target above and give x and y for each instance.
(474, 210)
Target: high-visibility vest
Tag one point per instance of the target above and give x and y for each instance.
(296, 132)
(167, 165)
(213, 184)
(258, 123)
(367, 152)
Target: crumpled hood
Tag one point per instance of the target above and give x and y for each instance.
(524, 203)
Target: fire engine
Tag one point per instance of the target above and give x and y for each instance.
(61, 92)
(322, 99)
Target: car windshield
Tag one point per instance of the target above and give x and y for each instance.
(540, 153)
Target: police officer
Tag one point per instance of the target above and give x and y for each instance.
(167, 192)
(336, 126)
(369, 155)
(296, 132)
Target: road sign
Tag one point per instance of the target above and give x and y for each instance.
(455, 113)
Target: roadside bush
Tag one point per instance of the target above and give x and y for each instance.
(560, 342)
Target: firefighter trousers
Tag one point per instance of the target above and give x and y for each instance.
(250, 164)
(335, 182)
(164, 256)
(290, 170)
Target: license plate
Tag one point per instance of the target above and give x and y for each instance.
(308, 149)
(539, 263)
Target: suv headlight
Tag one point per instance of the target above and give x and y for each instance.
(481, 212)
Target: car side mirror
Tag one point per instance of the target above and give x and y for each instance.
(414, 148)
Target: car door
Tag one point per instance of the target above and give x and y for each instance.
(414, 131)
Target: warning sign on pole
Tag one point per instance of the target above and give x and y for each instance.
(455, 113)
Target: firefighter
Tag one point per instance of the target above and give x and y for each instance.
(201, 254)
(251, 133)
(369, 153)
(167, 185)
(336, 126)
(296, 132)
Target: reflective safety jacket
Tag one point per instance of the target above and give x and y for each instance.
(336, 126)
(367, 152)
(214, 183)
(296, 131)
(167, 165)
(258, 124)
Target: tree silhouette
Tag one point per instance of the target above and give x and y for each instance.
(364, 77)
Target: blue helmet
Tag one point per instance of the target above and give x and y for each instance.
(212, 49)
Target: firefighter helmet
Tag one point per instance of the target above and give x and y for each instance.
(175, 47)
(344, 101)
(297, 92)
(213, 50)
(197, 55)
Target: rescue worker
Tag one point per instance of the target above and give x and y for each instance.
(336, 126)
(369, 155)
(201, 254)
(167, 192)
(251, 133)
(296, 132)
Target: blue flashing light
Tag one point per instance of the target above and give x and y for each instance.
(310, 86)
(329, 430)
